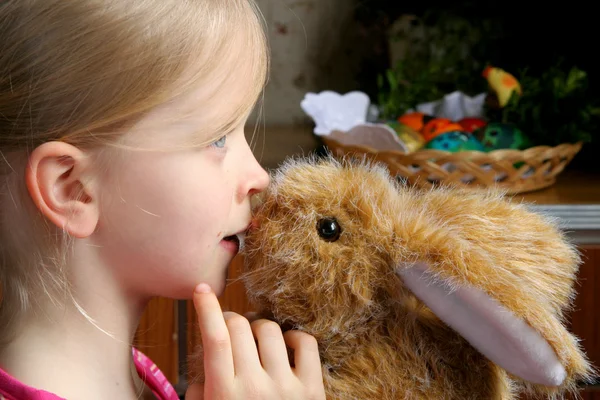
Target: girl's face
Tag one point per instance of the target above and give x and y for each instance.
(166, 216)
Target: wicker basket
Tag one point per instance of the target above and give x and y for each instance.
(513, 171)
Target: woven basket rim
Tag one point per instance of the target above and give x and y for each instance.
(434, 153)
(514, 170)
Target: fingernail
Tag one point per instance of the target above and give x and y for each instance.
(203, 288)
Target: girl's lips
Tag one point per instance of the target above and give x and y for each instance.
(231, 244)
(234, 243)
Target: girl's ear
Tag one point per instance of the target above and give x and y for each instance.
(58, 182)
(491, 328)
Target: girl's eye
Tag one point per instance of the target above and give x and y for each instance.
(220, 143)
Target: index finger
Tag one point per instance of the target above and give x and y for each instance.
(218, 356)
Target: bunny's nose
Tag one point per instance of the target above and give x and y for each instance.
(254, 224)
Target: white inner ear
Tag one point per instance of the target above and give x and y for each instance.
(491, 328)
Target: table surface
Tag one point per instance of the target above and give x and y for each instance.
(571, 187)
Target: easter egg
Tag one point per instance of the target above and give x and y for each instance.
(437, 126)
(496, 135)
(410, 137)
(454, 141)
(471, 124)
(415, 120)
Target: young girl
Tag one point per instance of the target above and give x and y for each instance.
(126, 175)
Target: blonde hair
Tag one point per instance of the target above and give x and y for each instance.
(82, 72)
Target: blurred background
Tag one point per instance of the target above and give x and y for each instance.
(345, 45)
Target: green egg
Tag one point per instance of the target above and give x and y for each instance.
(454, 141)
(496, 135)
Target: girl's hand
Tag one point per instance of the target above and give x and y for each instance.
(235, 368)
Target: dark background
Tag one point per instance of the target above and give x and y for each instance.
(535, 36)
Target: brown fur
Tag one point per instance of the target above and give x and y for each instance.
(377, 340)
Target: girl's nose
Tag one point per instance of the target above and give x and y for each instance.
(261, 180)
(254, 177)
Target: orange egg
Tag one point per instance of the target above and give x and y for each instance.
(414, 120)
(437, 126)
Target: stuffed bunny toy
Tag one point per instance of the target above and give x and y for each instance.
(411, 293)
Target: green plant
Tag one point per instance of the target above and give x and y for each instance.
(444, 53)
(402, 90)
(555, 107)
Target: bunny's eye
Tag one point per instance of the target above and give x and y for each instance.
(329, 229)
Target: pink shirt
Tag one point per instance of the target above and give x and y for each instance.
(11, 389)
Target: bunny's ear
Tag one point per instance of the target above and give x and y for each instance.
(491, 328)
